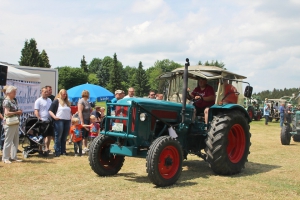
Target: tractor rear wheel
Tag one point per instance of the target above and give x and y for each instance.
(285, 135)
(228, 143)
(251, 112)
(296, 138)
(164, 161)
(101, 160)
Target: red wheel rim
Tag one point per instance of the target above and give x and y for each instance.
(250, 114)
(236, 143)
(108, 160)
(168, 162)
(258, 117)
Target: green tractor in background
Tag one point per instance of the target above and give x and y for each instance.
(166, 131)
(291, 129)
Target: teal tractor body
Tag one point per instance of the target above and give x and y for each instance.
(165, 132)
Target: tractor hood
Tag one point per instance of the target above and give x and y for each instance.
(158, 104)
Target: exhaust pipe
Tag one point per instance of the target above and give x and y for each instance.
(184, 90)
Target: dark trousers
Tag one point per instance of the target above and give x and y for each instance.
(78, 147)
(266, 119)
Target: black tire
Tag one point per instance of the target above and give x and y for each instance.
(101, 161)
(164, 161)
(285, 135)
(251, 112)
(228, 143)
(296, 138)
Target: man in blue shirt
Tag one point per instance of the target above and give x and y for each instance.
(281, 111)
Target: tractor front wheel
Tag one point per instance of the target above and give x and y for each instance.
(228, 143)
(285, 135)
(296, 138)
(164, 161)
(101, 160)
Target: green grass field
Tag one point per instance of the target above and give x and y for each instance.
(272, 172)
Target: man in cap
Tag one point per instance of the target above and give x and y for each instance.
(204, 95)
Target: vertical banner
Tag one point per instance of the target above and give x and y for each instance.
(27, 93)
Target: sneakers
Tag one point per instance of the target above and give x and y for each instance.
(6, 161)
(85, 150)
(16, 160)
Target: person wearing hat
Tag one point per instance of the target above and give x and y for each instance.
(204, 95)
(119, 94)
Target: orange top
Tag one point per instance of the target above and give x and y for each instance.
(76, 132)
(230, 94)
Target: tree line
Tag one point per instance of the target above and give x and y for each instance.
(276, 93)
(108, 72)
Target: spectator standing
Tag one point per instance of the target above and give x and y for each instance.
(159, 96)
(94, 128)
(11, 132)
(60, 111)
(130, 93)
(76, 136)
(41, 107)
(119, 94)
(1, 120)
(50, 95)
(288, 113)
(267, 109)
(84, 111)
(151, 94)
(97, 113)
(281, 114)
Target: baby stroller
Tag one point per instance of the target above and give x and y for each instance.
(34, 130)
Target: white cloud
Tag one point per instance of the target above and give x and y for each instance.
(254, 38)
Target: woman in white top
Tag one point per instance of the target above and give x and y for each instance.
(60, 111)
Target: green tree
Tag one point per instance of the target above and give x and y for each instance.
(30, 55)
(92, 79)
(115, 78)
(214, 63)
(83, 64)
(128, 80)
(140, 81)
(159, 67)
(95, 65)
(44, 60)
(69, 77)
(103, 73)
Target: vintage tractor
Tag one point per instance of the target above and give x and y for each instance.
(165, 132)
(288, 130)
(252, 106)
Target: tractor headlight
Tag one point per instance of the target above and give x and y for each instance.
(143, 116)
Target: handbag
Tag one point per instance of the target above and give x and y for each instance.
(12, 120)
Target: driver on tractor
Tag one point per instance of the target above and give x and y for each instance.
(231, 94)
(203, 96)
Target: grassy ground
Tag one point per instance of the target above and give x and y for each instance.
(272, 173)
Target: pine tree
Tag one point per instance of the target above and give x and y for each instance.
(115, 78)
(83, 64)
(30, 55)
(140, 81)
(44, 60)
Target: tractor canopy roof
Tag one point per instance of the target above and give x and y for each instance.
(208, 72)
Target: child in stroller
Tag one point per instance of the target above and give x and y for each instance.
(34, 129)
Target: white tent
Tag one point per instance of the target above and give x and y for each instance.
(17, 74)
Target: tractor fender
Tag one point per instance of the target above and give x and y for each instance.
(226, 107)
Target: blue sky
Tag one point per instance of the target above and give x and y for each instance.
(258, 39)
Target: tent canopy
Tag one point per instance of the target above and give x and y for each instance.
(17, 74)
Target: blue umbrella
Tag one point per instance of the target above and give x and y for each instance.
(96, 93)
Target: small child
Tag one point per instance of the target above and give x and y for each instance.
(94, 128)
(34, 137)
(76, 135)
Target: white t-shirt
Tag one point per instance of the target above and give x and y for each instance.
(127, 96)
(43, 105)
(63, 112)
